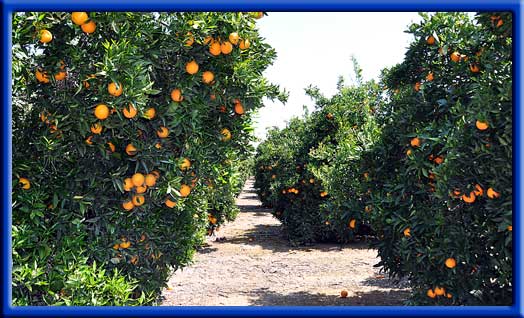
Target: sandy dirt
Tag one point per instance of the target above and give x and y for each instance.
(249, 263)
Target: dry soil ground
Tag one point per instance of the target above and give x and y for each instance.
(252, 264)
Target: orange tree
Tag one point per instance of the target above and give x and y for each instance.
(129, 132)
(441, 173)
(310, 171)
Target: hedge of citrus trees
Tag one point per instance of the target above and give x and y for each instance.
(131, 136)
(433, 176)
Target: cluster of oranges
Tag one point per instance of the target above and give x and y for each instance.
(218, 46)
(477, 192)
(137, 185)
(82, 19)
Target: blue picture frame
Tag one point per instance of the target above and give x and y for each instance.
(10, 6)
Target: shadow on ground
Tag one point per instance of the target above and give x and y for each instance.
(264, 297)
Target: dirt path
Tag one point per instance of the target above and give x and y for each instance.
(254, 265)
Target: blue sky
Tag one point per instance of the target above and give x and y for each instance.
(316, 48)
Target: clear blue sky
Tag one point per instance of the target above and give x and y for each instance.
(316, 48)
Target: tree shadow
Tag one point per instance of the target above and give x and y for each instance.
(265, 297)
(384, 281)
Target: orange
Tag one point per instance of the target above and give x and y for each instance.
(492, 194)
(150, 113)
(311, 180)
(450, 262)
(455, 57)
(431, 293)
(244, 44)
(131, 150)
(226, 47)
(186, 164)
(176, 95)
(45, 36)
(141, 189)
(429, 77)
(474, 68)
(190, 39)
(89, 27)
(129, 111)
(344, 293)
(79, 18)
(128, 184)
(162, 132)
(478, 190)
(192, 67)
(96, 128)
(125, 244)
(134, 260)
(482, 125)
(352, 223)
(128, 205)
(417, 86)
(60, 76)
(41, 76)
(111, 146)
(323, 193)
(89, 140)
(470, 198)
(226, 134)
(415, 142)
(115, 89)
(430, 40)
(184, 190)
(158, 145)
(116, 246)
(407, 232)
(26, 184)
(409, 152)
(138, 200)
(438, 160)
(510, 228)
(215, 49)
(239, 109)
(233, 38)
(448, 295)
(138, 179)
(439, 291)
(101, 111)
(222, 109)
(208, 77)
(368, 208)
(212, 97)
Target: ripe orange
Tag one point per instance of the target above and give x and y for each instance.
(138, 200)
(429, 77)
(409, 152)
(510, 228)
(128, 184)
(138, 179)
(415, 142)
(186, 164)
(150, 180)
(128, 205)
(474, 68)
(79, 18)
(150, 113)
(125, 244)
(470, 198)
(455, 57)
(478, 190)
(239, 109)
(60, 75)
(439, 291)
(430, 40)
(226, 47)
(89, 140)
(244, 44)
(492, 194)
(417, 86)
(222, 109)
(352, 223)
(115, 89)
(169, 203)
(208, 77)
(96, 128)
(89, 27)
(482, 125)
(45, 36)
(233, 38)
(141, 189)
(131, 150)
(226, 134)
(500, 23)
(158, 145)
(162, 132)
(42, 76)
(431, 293)
(25, 183)
(323, 194)
(407, 232)
(176, 95)
(129, 111)
(134, 260)
(450, 262)
(101, 111)
(184, 190)
(438, 160)
(343, 293)
(192, 67)
(111, 146)
(215, 49)
(448, 295)
(311, 180)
